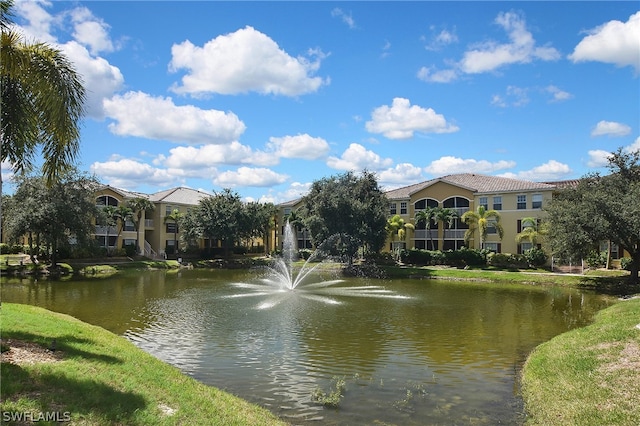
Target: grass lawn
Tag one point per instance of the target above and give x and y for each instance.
(99, 378)
(588, 376)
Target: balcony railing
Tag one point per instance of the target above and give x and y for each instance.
(423, 234)
(102, 230)
(454, 234)
(148, 223)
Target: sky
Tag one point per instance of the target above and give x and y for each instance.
(266, 97)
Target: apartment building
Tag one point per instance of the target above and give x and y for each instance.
(157, 234)
(514, 199)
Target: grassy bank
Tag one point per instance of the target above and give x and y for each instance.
(99, 378)
(609, 282)
(588, 376)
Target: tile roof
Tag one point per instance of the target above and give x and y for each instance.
(474, 182)
(124, 192)
(179, 195)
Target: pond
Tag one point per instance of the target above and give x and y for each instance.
(435, 352)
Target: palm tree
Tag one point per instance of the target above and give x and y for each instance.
(444, 215)
(397, 227)
(42, 101)
(175, 216)
(482, 219)
(426, 217)
(123, 213)
(139, 205)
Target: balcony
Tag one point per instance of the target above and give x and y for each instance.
(148, 223)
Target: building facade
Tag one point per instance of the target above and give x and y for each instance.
(157, 235)
(513, 199)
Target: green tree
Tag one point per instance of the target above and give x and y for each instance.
(217, 217)
(481, 220)
(599, 208)
(175, 217)
(58, 215)
(347, 212)
(258, 221)
(444, 216)
(139, 205)
(42, 101)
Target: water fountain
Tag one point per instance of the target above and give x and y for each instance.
(283, 281)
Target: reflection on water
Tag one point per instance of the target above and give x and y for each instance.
(443, 353)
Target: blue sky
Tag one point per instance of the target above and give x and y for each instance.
(266, 97)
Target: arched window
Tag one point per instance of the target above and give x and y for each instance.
(107, 200)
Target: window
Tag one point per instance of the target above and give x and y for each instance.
(523, 247)
(168, 210)
(403, 207)
(129, 225)
(287, 211)
(522, 202)
(497, 202)
(494, 247)
(171, 227)
(491, 227)
(536, 201)
(484, 202)
(392, 208)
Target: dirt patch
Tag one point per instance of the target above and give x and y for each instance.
(27, 353)
(628, 359)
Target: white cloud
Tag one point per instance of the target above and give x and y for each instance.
(243, 61)
(514, 96)
(299, 146)
(550, 171)
(206, 156)
(39, 20)
(357, 158)
(247, 176)
(610, 128)
(614, 42)
(401, 174)
(101, 79)
(295, 191)
(345, 17)
(441, 39)
(558, 95)
(448, 165)
(91, 31)
(598, 158)
(521, 48)
(128, 174)
(142, 115)
(432, 75)
(401, 120)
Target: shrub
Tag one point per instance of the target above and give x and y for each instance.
(625, 263)
(4, 248)
(597, 259)
(536, 257)
(305, 253)
(508, 261)
(416, 256)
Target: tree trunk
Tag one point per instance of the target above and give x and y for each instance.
(635, 266)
